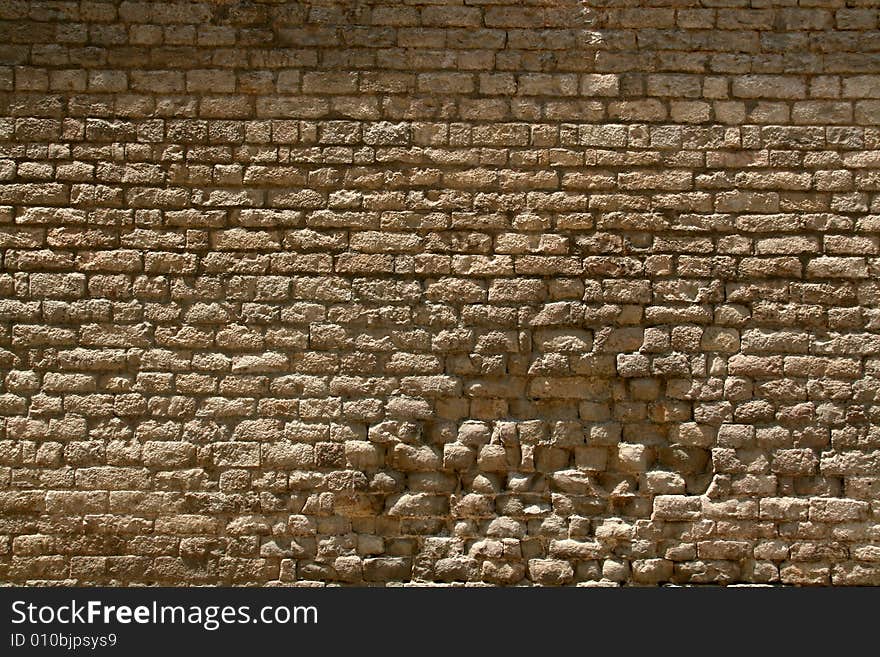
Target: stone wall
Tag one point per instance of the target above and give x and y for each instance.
(531, 292)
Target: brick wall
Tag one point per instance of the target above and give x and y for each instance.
(483, 291)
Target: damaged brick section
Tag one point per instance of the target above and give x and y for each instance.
(536, 292)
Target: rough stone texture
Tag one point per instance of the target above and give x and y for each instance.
(538, 292)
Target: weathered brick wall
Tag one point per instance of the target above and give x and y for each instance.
(483, 291)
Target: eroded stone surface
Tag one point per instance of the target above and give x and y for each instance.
(545, 292)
